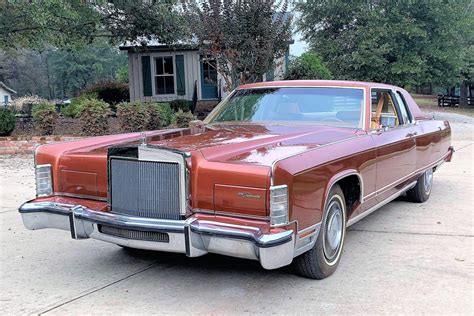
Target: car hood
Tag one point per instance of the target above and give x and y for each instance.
(255, 143)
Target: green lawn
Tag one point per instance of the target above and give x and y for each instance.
(429, 103)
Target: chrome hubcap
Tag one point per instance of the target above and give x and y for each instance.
(333, 232)
(428, 180)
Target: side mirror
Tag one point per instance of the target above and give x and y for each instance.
(196, 127)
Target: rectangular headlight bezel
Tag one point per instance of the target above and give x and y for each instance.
(44, 180)
(279, 205)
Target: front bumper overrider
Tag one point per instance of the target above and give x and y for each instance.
(193, 236)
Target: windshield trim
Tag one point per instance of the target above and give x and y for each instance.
(216, 110)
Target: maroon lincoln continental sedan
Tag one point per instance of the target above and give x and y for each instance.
(276, 173)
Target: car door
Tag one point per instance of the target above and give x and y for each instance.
(394, 137)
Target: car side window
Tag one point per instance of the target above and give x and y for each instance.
(384, 113)
(405, 114)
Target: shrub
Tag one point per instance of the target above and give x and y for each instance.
(159, 115)
(182, 119)
(45, 118)
(75, 107)
(180, 104)
(308, 66)
(132, 116)
(111, 92)
(25, 104)
(94, 116)
(7, 122)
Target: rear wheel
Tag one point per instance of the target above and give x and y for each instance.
(322, 260)
(422, 190)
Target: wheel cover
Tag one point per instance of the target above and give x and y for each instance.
(333, 233)
(428, 180)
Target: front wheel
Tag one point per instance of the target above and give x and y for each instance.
(322, 260)
(422, 190)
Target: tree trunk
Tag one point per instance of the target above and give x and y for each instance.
(463, 95)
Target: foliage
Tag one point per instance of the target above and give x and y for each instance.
(180, 104)
(139, 116)
(37, 24)
(398, 42)
(132, 116)
(159, 115)
(307, 66)
(59, 74)
(7, 122)
(94, 116)
(243, 37)
(111, 92)
(75, 107)
(182, 119)
(121, 75)
(24, 104)
(45, 118)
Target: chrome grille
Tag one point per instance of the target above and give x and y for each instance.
(145, 188)
(134, 234)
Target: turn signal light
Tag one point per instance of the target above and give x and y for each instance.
(44, 181)
(278, 205)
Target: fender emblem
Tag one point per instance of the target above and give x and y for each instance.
(249, 195)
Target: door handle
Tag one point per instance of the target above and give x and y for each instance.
(412, 134)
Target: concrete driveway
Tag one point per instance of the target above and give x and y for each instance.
(404, 258)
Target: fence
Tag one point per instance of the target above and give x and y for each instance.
(452, 101)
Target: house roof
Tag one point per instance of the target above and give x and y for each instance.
(4, 86)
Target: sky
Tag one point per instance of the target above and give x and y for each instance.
(299, 46)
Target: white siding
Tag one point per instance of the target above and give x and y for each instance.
(3, 93)
(191, 73)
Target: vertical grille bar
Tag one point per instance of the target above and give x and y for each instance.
(145, 188)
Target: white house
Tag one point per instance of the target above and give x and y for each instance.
(160, 73)
(5, 94)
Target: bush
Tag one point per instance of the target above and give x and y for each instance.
(132, 116)
(7, 122)
(25, 104)
(111, 92)
(75, 107)
(159, 115)
(138, 116)
(45, 118)
(182, 119)
(94, 116)
(180, 104)
(307, 66)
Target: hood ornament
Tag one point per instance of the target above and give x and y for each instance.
(143, 138)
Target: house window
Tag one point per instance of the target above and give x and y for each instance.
(164, 75)
(5, 99)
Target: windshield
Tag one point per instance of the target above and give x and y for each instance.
(319, 105)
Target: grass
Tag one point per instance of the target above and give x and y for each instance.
(429, 103)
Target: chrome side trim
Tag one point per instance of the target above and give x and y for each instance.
(379, 205)
(407, 177)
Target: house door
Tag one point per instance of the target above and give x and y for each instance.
(208, 79)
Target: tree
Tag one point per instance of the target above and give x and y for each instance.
(59, 73)
(407, 43)
(308, 66)
(38, 24)
(244, 37)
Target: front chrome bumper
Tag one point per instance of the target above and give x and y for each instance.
(194, 237)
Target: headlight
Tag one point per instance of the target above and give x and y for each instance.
(44, 181)
(278, 205)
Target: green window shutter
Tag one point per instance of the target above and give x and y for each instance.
(270, 74)
(180, 80)
(146, 73)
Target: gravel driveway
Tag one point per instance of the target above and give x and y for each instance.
(404, 258)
